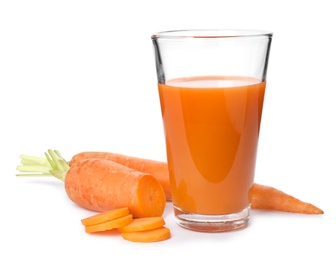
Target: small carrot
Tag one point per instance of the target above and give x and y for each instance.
(108, 225)
(102, 185)
(156, 168)
(269, 198)
(141, 224)
(152, 235)
(105, 216)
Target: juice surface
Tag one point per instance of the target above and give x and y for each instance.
(212, 128)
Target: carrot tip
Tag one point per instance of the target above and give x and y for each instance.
(269, 198)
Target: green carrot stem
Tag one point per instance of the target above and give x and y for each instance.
(34, 174)
(52, 165)
(27, 159)
(34, 168)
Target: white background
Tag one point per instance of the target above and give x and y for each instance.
(80, 75)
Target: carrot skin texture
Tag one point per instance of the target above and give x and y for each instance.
(269, 198)
(102, 185)
(157, 169)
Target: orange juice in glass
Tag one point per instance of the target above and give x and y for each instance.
(211, 87)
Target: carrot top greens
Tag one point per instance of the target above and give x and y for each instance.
(52, 165)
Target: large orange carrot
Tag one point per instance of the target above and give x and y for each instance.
(261, 196)
(102, 185)
(269, 198)
(156, 168)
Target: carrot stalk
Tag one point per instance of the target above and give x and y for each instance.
(269, 198)
(52, 165)
(34, 164)
(34, 168)
(27, 159)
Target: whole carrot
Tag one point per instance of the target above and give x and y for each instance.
(157, 169)
(269, 198)
(102, 185)
(261, 196)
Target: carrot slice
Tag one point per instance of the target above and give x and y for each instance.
(105, 216)
(141, 224)
(152, 235)
(108, 225)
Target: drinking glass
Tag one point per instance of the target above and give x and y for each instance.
(211, 87)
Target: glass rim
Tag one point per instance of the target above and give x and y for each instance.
(211, 33)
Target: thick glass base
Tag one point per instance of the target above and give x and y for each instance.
(212, 223)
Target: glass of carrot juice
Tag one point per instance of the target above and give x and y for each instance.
(211, 86)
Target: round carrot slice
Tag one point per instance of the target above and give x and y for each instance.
(105, 216)
(152, 235)
(141, 224)
(108, 225)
